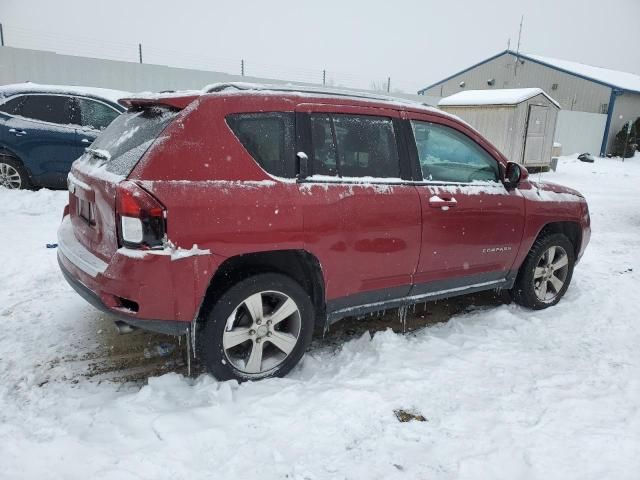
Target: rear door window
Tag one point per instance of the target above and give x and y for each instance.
(269, 139)
(95, 115)
(48, 108)
(447, 155)
(354, 146)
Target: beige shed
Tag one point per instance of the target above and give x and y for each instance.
(520, 122)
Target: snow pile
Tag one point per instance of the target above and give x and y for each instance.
(507, 393)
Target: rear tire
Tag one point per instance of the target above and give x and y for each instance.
(13, 175)
(546, 273)
(259, 328)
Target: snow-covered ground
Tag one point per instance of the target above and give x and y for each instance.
(507, 393)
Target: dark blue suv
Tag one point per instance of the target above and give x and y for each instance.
(44, 128)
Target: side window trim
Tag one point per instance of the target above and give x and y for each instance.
(404, 139)
(415, 159)
(303, 139)
(337, 147)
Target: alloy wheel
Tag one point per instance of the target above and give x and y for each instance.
(550, 273)
(261, 332)
(9, 177)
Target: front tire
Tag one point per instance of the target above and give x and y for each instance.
(258, 328)
(546, 273)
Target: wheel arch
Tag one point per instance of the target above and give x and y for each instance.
(300, 265)
(6, 151)
(569, 229)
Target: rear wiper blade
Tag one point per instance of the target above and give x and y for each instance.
(98, 153)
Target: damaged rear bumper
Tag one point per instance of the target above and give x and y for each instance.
(157, 292)
(168, 327)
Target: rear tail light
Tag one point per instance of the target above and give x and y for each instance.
(141, 217)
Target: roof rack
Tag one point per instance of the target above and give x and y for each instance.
(242, 86)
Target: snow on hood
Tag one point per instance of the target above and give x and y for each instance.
(28, 87)
(551, 192)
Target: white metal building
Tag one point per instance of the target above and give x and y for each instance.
(605, 99)
(520, 122)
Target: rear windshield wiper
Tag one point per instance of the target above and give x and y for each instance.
(98, 153)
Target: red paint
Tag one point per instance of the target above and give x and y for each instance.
(365, 237)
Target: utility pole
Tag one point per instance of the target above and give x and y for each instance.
(140, 52)
(388, 84)
(1, 36)
(242, 68)
(515, 69)
(324, 77)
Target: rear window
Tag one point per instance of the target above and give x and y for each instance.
(126, 139)
(268, 137)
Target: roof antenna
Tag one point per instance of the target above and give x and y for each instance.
(509, 43)
(515, 69)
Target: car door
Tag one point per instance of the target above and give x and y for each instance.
(42, 134)
(471, 224)
(94, 117)
(361, 217)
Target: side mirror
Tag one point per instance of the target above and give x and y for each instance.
(514, 174)
(302, 161)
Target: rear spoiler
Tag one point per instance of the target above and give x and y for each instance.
(177, 102)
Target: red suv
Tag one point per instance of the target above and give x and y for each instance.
(248, 217)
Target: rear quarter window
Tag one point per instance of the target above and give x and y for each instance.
(269, 139)
(95, 115)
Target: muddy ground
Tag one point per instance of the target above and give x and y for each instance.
(133, 357)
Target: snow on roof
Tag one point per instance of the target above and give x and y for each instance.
(616, 78)
(506, 96)
(104, 93)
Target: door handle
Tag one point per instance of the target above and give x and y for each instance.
(445, 203)
(18, 133)
(85, 140)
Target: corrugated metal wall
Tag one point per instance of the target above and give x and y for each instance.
(572, 93)
(20, 65)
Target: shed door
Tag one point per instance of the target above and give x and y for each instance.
(534, 140)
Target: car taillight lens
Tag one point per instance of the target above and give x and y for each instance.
(141, 218)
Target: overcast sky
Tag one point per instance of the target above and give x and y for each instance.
(416, 42)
